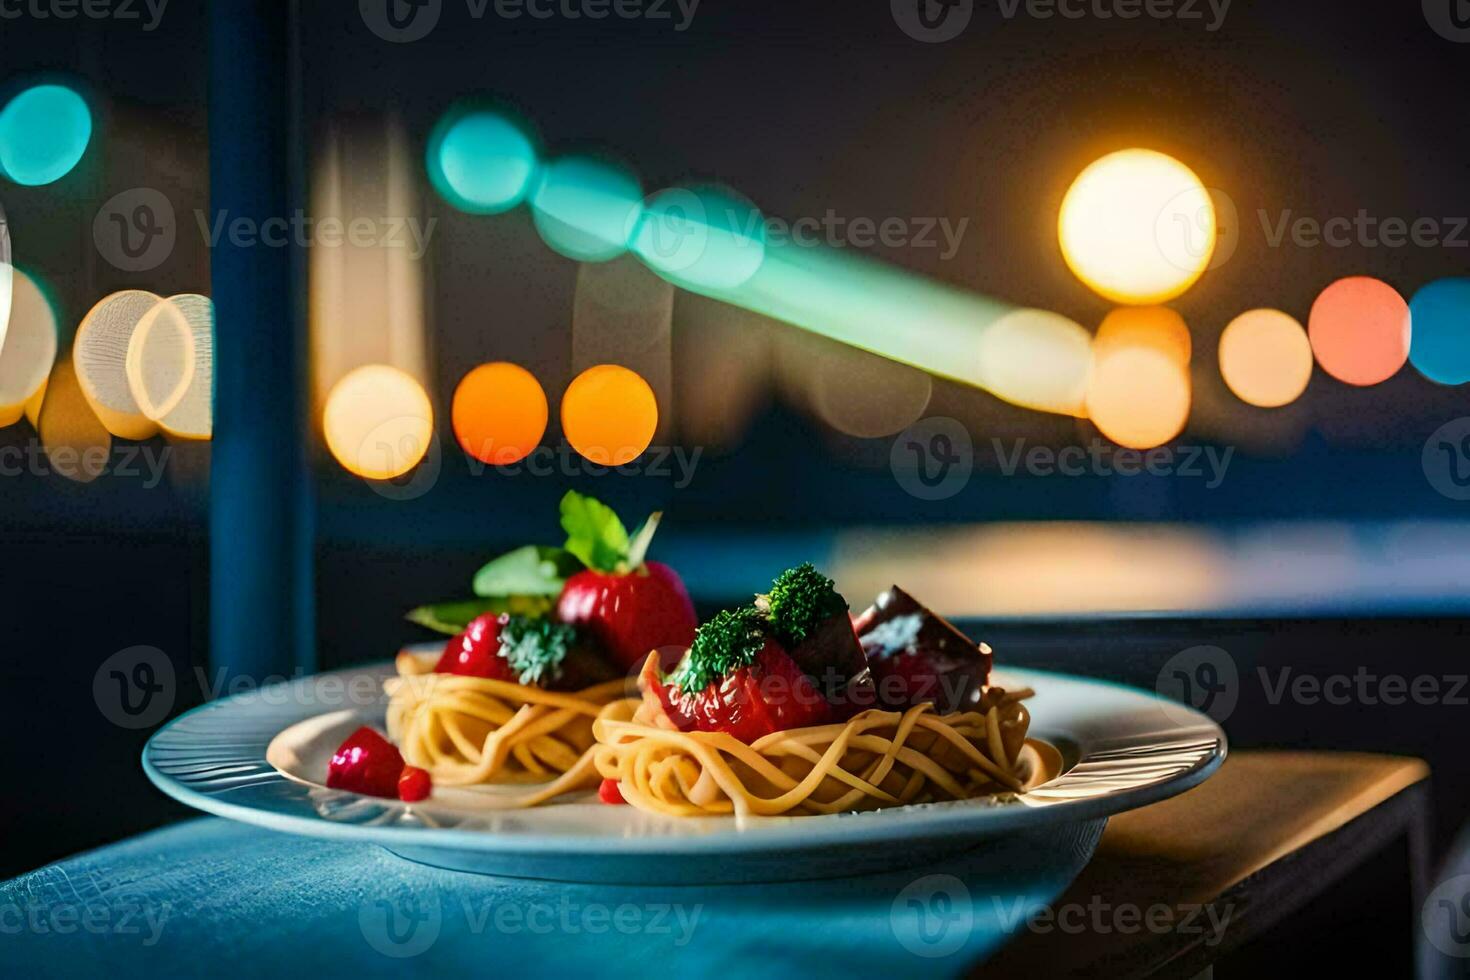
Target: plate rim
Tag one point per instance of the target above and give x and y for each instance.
(975, 820)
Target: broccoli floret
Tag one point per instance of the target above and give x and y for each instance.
(799, 600)
(729, 641)
(536, 648)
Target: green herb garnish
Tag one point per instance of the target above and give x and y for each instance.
(728, 642)
(799, 600)
(536, 648)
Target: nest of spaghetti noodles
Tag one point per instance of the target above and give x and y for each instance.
(469, 730)
(876, 759)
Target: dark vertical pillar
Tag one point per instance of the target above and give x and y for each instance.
(261, 581)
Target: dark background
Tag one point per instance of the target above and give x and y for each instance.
(1314, 106)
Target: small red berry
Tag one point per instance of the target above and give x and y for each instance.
(414, 785)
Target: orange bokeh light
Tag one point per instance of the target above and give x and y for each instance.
(1140, 392)
(499, 413)
(609, 414)
(1359, 329)
(1265, 358)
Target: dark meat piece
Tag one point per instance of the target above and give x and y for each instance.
(916, 655)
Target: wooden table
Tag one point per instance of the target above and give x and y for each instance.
(1281, 863)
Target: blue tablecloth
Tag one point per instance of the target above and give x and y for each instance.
(212, 897)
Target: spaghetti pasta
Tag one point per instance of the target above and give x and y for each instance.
(471, 730)
(876, 759)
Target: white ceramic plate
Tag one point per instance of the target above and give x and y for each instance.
(262, 758)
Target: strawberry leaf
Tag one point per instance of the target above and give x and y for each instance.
(638, 549)
(594, 533)
(528, 571)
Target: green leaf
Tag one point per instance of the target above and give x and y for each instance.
(532, 570)
(451, 618)
(638, 550)
(594, 533)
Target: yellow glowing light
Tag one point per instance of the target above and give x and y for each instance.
(78, 446)
(1266, 358)
(170, 366)
(29, 351)
(1140, 392)
(499, 413)
(1037, 359)
(1138, 227)
(378, 422)
(609, 414)
(100, 354)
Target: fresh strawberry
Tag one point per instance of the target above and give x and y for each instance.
(524, 650)
(476, 651)
(631, 614)
(366, 763)
(631, 607)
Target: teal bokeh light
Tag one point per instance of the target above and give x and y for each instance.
(586, 209)
(43, 133)
(1440, 347)
(701, 238)
(481, 161)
